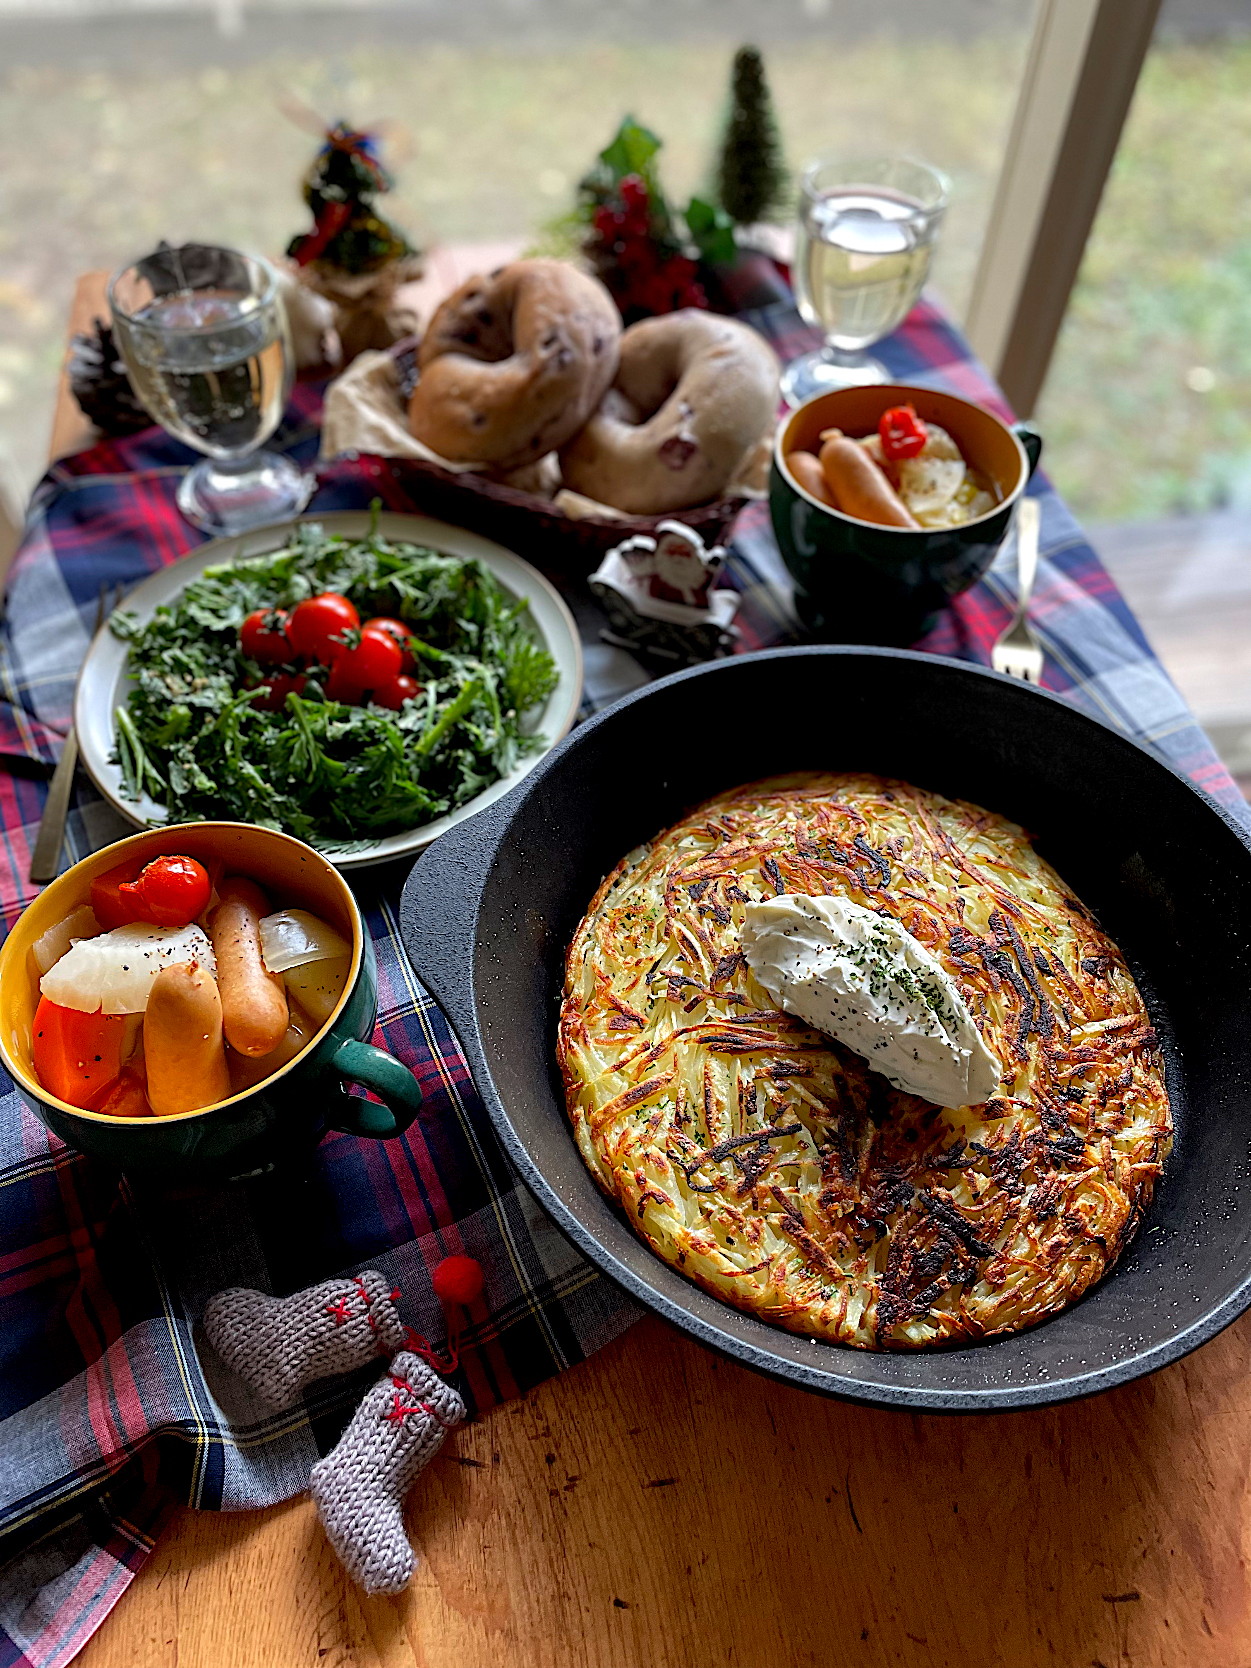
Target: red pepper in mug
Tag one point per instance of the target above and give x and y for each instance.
(902, 433)
(77, 1056)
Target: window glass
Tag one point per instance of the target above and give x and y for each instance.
(1147, 406)
(125, 123)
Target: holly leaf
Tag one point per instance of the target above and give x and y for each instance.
(712, 232)
(631, 150)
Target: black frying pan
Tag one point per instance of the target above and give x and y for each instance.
(489, 909)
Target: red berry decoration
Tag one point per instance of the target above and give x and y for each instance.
(631, 238)
(458, 1280)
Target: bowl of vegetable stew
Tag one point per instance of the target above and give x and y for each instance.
(861, 581)
(186, 709)
(278, 1106)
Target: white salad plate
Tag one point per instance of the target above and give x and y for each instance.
(104, 683)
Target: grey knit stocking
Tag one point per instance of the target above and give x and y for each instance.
(280, 1344)
(359, 1488)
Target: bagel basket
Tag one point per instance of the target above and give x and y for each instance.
(533, 526)
(526, 522)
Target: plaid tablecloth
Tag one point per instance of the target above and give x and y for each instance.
(109, 1413)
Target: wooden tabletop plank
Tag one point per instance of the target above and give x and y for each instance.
(658, 1505)
(71, 430)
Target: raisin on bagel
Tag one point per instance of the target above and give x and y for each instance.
(513, 364)
(693, 394)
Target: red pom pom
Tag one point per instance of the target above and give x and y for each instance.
(458, 1280)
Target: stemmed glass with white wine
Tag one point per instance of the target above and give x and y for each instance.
(204, 335)
(866, 229)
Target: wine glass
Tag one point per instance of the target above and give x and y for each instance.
(207, 347)
(866, 229)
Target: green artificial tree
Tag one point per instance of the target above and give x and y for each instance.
(752, 182)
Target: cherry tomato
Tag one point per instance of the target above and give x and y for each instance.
(395, 693)
(78, 1057)
(276, 688)
(174, 890)
(372, 663)
(902, 433)
(263, 637)
(316, 621)
(398, 630)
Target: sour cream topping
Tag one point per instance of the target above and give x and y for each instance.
(866, 981)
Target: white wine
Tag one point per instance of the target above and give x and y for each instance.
(213, 371)
(207, 347)
(862, 255)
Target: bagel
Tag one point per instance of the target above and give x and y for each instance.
(693, 394)
(513, 364)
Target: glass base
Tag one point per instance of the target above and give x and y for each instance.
(231, 496)
(824, 369)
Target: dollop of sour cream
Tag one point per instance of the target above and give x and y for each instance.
(866, 981)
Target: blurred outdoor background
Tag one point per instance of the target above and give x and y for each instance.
(125, 121)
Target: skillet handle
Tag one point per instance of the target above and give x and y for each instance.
(439, 910)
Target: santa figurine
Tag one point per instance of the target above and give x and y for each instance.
(658, 595)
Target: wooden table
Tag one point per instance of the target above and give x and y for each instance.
(659, 1506)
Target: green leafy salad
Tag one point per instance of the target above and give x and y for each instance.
(195, 733)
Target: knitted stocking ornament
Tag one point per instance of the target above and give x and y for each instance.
(359, 1488)
(280, 1344)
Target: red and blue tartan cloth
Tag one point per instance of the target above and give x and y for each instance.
(109, 1415)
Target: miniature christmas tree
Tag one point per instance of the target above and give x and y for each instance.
(752, 182)
(348, 234)
(353, 257)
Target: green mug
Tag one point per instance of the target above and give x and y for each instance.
(858, 582)
(281, 1117)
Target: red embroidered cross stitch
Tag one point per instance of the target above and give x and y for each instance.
(399, 1409)
(342, 1310)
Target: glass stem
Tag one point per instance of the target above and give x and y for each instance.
(841, 356)
(228, 470)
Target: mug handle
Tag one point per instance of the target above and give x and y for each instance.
(1032, 441)
(393, 1083)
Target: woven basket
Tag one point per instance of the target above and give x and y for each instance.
(526, 523)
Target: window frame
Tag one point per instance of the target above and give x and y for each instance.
(1084, 61)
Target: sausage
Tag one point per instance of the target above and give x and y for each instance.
(859, 487)
(182, 1041)
(254, 1001)
(807, 470)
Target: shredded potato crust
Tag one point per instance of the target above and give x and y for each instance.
(770, 1165)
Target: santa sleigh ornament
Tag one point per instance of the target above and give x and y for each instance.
(658, 596)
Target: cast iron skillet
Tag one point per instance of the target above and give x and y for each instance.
(490, 908)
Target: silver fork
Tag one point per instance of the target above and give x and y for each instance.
(45, 860)
(1017, 651)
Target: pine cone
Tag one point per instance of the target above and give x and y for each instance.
(99, 383)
